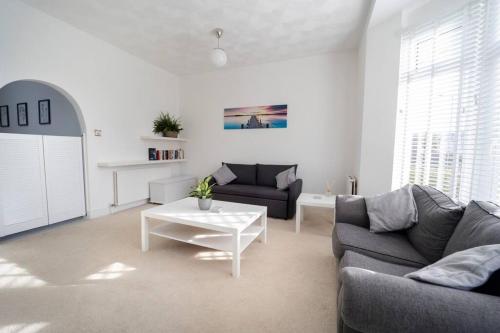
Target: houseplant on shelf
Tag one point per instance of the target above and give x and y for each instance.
(203, 191)
(167, 125)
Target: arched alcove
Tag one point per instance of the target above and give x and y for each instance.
(65, 116)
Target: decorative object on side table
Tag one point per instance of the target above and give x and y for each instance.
(328, 189)
(4, 116)
(203, 191)
(44, 111)
(167, 125)
(22, 114)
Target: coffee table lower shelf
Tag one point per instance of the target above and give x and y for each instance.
(206, 238)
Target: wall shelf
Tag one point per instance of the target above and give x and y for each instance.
(161, 138)
(136, 163)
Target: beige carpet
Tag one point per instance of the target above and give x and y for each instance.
(90, 276)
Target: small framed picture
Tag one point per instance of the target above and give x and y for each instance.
(4, 116)
(44, 111)
(22, 114)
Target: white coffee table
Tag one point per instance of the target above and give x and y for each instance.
(314, 200)
(230, 230)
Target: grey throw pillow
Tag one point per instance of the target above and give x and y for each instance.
(392, 211)
(438, 216)
(285, 178)
(464, 270)
(224, 175)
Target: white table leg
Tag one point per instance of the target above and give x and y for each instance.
(263, 223)
(236, 254)
(144, 233)
(298, 217)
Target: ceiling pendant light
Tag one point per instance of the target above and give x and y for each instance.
(218, 55)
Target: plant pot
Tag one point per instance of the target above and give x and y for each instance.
(170, 134)
(204, 204)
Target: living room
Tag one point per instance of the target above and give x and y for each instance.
(243, 166)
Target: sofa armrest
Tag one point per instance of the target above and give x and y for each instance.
(374, 302)
(294, 190)
(351, 209)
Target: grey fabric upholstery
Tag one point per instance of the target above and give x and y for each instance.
(264, 192)
(438, 217)
(353, 259)
(374, 302)
(266, 173)
(390, 246)
(275, 208)
(294, 190)
(480, 225)
(246, 174)
(351, 209)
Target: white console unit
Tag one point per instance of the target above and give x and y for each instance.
(41, 181)
(166, 190)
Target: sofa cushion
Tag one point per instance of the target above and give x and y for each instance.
(266, 173)
(353, 259)
(480, 225)
(465, 270)
(285, 178)
(392, 211)
(392, 247)
(246, 173)
(438, 216)
(224, 175)
(264, 192)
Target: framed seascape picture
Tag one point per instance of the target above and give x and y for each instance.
(44, 111)
(4, 116)
(269, 116)
(22, 114)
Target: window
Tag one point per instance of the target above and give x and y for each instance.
(448, 121)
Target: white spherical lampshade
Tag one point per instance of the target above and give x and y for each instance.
(219, 57)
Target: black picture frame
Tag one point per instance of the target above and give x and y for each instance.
(4, 116)
(44, 111)
(22, 114)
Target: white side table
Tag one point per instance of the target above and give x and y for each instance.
(313, 200)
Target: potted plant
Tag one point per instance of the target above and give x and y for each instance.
(203, 191)
(167, 125)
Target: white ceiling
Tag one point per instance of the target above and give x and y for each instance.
(176, 34)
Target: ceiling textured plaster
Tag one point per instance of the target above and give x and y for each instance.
(176, 34)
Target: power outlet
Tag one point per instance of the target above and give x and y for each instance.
(98, 132)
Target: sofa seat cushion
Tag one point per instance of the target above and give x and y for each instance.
(353, 259)
(438, 216)
(479, 226)
(264, 192)
(391, 247)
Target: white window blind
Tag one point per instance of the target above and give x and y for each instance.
(448, 121)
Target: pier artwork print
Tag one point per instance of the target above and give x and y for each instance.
(269, 116)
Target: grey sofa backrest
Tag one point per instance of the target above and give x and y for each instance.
(480, 225)
(266, 173)
(246, 174)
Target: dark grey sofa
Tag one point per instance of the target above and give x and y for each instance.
(256, 185)
(373, 295)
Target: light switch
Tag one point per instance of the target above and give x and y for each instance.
(98, 132)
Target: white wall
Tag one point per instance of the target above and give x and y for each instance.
(380, 106)
(116, 92)
(320, 93)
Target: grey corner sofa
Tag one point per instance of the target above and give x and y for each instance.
(256, 185)
(374, 295)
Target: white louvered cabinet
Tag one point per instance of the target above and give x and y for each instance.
(64, 177)
(36, 186)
